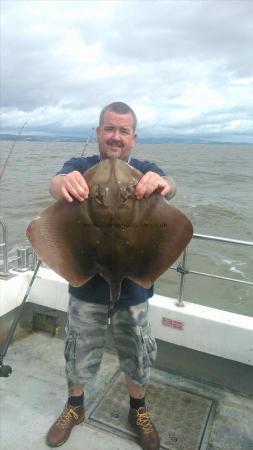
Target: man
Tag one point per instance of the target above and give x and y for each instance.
(88, 307)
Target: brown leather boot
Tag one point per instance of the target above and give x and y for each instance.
(141, 422)
(61, 429)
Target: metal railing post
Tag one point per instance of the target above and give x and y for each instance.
(181, 268)
(4, 245)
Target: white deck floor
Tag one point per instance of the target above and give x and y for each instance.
(35, 393)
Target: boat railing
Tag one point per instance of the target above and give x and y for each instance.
(182, 269)
(26, 259)
(4, 269)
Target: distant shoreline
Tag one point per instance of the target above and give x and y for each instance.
(141, 140)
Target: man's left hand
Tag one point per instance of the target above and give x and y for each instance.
(151, 182)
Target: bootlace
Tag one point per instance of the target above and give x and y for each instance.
(144, 421)
(66, 417)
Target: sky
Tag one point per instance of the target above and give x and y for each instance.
(185, 67)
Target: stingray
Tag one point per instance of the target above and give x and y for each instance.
(112, 233)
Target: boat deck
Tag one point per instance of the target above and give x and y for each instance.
(188, 414)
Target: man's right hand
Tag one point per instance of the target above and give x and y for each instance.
(69, 186)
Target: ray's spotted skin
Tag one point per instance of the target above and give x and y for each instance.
(111, 233)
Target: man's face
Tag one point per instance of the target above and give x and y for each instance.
(116, 136)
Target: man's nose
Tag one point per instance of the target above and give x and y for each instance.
(116, 133)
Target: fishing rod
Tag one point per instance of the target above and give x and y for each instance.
(11, 150)
(87, 141)
(5, 371)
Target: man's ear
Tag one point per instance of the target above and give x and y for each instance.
(98, 129)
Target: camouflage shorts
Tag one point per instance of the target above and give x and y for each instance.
(86, 335)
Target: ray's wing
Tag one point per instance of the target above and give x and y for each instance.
(63, 237)
(161, 234)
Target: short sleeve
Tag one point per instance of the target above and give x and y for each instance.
(79, 164)
(146, 166)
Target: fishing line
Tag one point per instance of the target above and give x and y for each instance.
(11, 150)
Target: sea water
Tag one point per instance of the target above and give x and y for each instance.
(214, 189)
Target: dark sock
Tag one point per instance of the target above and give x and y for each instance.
(137, 403)
(76, 400)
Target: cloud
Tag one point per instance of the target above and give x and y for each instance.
(185, 67)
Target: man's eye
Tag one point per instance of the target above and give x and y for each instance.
(123, 131)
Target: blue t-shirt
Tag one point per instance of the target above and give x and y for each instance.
(96, 290)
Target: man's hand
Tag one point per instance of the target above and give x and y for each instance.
(69, 186)
(151, 182)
